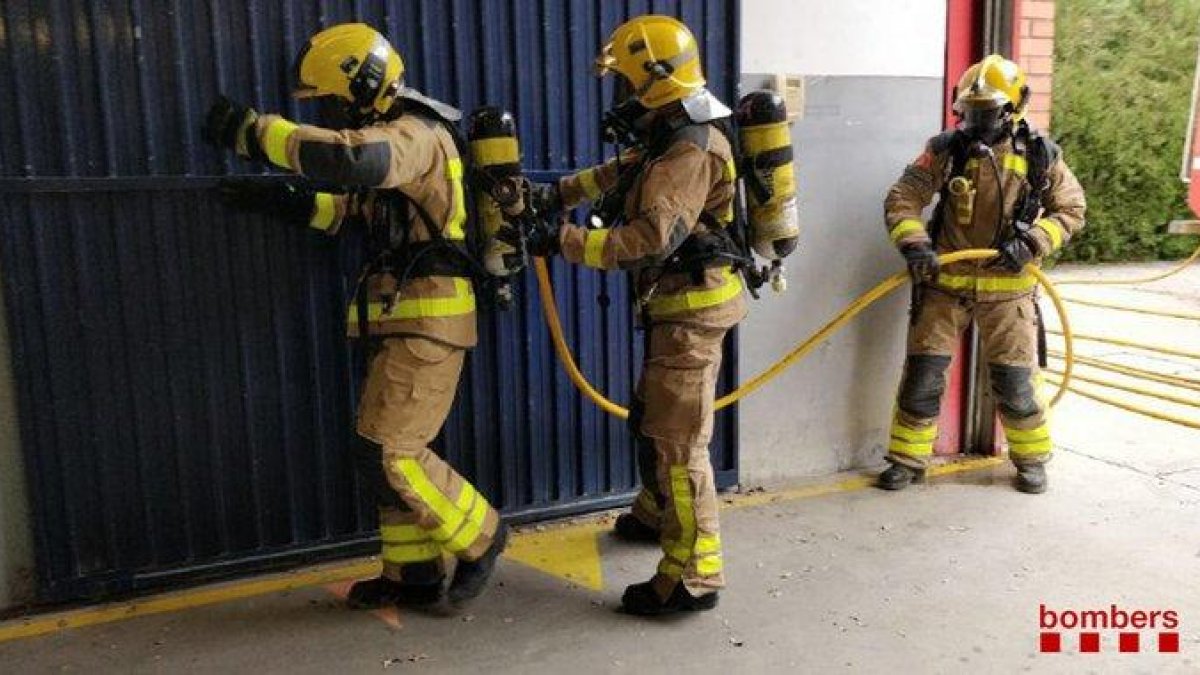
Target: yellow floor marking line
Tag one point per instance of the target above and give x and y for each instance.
(570, 552)
(171, 602)
(388, 615)
(742, 501)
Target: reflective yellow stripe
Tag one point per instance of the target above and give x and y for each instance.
(727, 214)
(987, 284)
(730, 170)
(402, 534)
(1013, 163)
(708, 543)
(463, 302)
(666, 305)
(913, 449)
(324, 212)
(492, 151)
(587, 181)
(712, 565)
(1053, 230)
(1034, 441)
(681, 495)
(275, 141)
(475, 506)
(906, 227)
(452, 516)
(593, 247)
(1031, 448)
(927, 435)
(454, 228)
(1026, 435)
(410, 552)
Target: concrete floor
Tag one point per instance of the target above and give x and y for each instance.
(944, 577)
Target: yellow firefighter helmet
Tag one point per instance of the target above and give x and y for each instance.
(353, 62)
(992, 83)
(657, 55)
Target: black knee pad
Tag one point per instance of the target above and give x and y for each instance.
(923, 385)
(368, 463)
(1013, 388)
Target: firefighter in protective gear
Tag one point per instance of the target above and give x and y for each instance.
(403, 177)
(674, 196)
(1001, 185)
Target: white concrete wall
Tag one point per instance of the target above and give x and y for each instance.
(905, 38)
(873, 78)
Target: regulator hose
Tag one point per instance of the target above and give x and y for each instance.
(881, 290)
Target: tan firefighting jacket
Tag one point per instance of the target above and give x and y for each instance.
(410, 154)
(695, 174)
(969, 219)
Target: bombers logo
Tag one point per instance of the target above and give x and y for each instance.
(1088, 624)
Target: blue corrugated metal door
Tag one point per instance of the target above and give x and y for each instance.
(185, 390)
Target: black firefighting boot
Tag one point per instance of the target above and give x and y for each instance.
(471, 576)
(642, 600)
(630, 528)
(381, 592)
(898, 476)
(1031, 478)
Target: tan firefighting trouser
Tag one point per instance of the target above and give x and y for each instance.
(674, 425)
(408, 393)
(1008, 344)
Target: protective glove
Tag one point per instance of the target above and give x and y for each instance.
(1016, 252)
(229, 125)
(291, 200)
(922, 262)
(541, 239)
(545, 199)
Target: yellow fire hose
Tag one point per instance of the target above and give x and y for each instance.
(1131, 308)
(1133, 389)
(1131, 371)
(1156, 414)
(1136, 280)
(553, 322)
(1128, 343)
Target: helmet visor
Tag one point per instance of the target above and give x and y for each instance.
(984, 123)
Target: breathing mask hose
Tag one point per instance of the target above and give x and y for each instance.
(881, 290)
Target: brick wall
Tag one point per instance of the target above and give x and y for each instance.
(1035, 50)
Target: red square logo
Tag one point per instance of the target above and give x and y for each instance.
(1050, 643)
(1168, 643)
(1130, 642)
(1089, 643)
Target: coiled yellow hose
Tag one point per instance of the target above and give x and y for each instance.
(1130, 308)
(1134, 372)
(1131, 388)
(1161, 349)
(1136, 280)
(887, 286)
(1156, 414)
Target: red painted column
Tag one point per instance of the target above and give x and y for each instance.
(963, 47)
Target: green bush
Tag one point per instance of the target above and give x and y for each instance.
(1123, 73)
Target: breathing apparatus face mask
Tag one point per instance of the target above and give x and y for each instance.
(626, 119)
(986, 125)
(334, 113)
